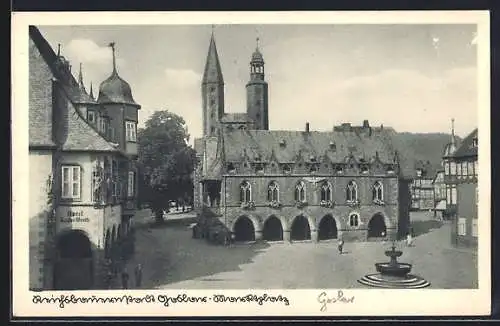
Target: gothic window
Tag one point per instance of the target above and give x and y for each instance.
(326, 191)
(300, 192)
(352, 191)
(273, 192)
(212, 89)
(245, 192)
(354, 220)
(378, 191)
(212, 102)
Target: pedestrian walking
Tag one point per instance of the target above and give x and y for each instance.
(409, 240)
(138, 275)
(125, 277)
(341, 246)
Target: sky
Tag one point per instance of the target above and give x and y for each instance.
(413, 78)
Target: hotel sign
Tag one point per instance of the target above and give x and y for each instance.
(74, 216)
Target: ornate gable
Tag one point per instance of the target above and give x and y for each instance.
(300, 164)
(273, 166)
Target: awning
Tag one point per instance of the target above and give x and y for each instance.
(441, 205)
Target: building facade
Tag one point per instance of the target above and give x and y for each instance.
(422, 190)
(439, 195)
(461, 175)
(82, 172)
(253, 183)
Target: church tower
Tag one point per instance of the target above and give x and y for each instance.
(212, 90)
(257, 100)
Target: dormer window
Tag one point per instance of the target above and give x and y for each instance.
(312, 158)
(287, 169)
(259, 168)
(474, 142)
(364, 169)
(282, 143)
(339, 169)
(91, 118)
(390, 169)
(333, 147)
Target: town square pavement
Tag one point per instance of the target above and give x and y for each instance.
(172, 259)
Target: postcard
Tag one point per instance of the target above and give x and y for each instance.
(251, 164)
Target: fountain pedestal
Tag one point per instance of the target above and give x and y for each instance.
(393, 274)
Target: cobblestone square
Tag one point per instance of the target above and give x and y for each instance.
(171, 258)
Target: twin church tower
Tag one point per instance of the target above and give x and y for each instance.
(212, 90)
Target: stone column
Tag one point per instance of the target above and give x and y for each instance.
(314, 235)
(286, 236)
(258, 235)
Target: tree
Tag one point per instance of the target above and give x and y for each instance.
(167, 161)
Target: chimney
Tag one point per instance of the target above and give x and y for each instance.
(307, 127)
(366, 124)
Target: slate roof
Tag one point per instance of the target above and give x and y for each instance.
(466, 148)
(78, 134)
(428, 169)
(264, 144)
(236, 118)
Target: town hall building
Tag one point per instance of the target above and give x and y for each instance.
(253, 183)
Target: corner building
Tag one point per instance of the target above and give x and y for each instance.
(253, 183)
(82, 172)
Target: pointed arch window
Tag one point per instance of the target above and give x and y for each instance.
(378, 191)
(273, 191)
(326, 191)
(245, 192)
(300, 192)
(352, 191)
(354, 220)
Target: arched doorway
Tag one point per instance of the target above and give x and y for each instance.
(377, 227)
(244, 229)
(327, 228)
(273, 230)
(300, 229)
(73, 268)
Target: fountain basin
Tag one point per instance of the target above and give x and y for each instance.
(397, 270)
(393, 253)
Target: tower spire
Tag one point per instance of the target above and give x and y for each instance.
(213, 71)
(58, 49)
(80, 77)
(112, 45)
(257, 43)
(91, 92)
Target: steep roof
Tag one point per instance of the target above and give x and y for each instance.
(78, 134)
(213, 71)
(285, 146)
(467, 148)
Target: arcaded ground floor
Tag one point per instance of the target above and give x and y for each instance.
(171, 258)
